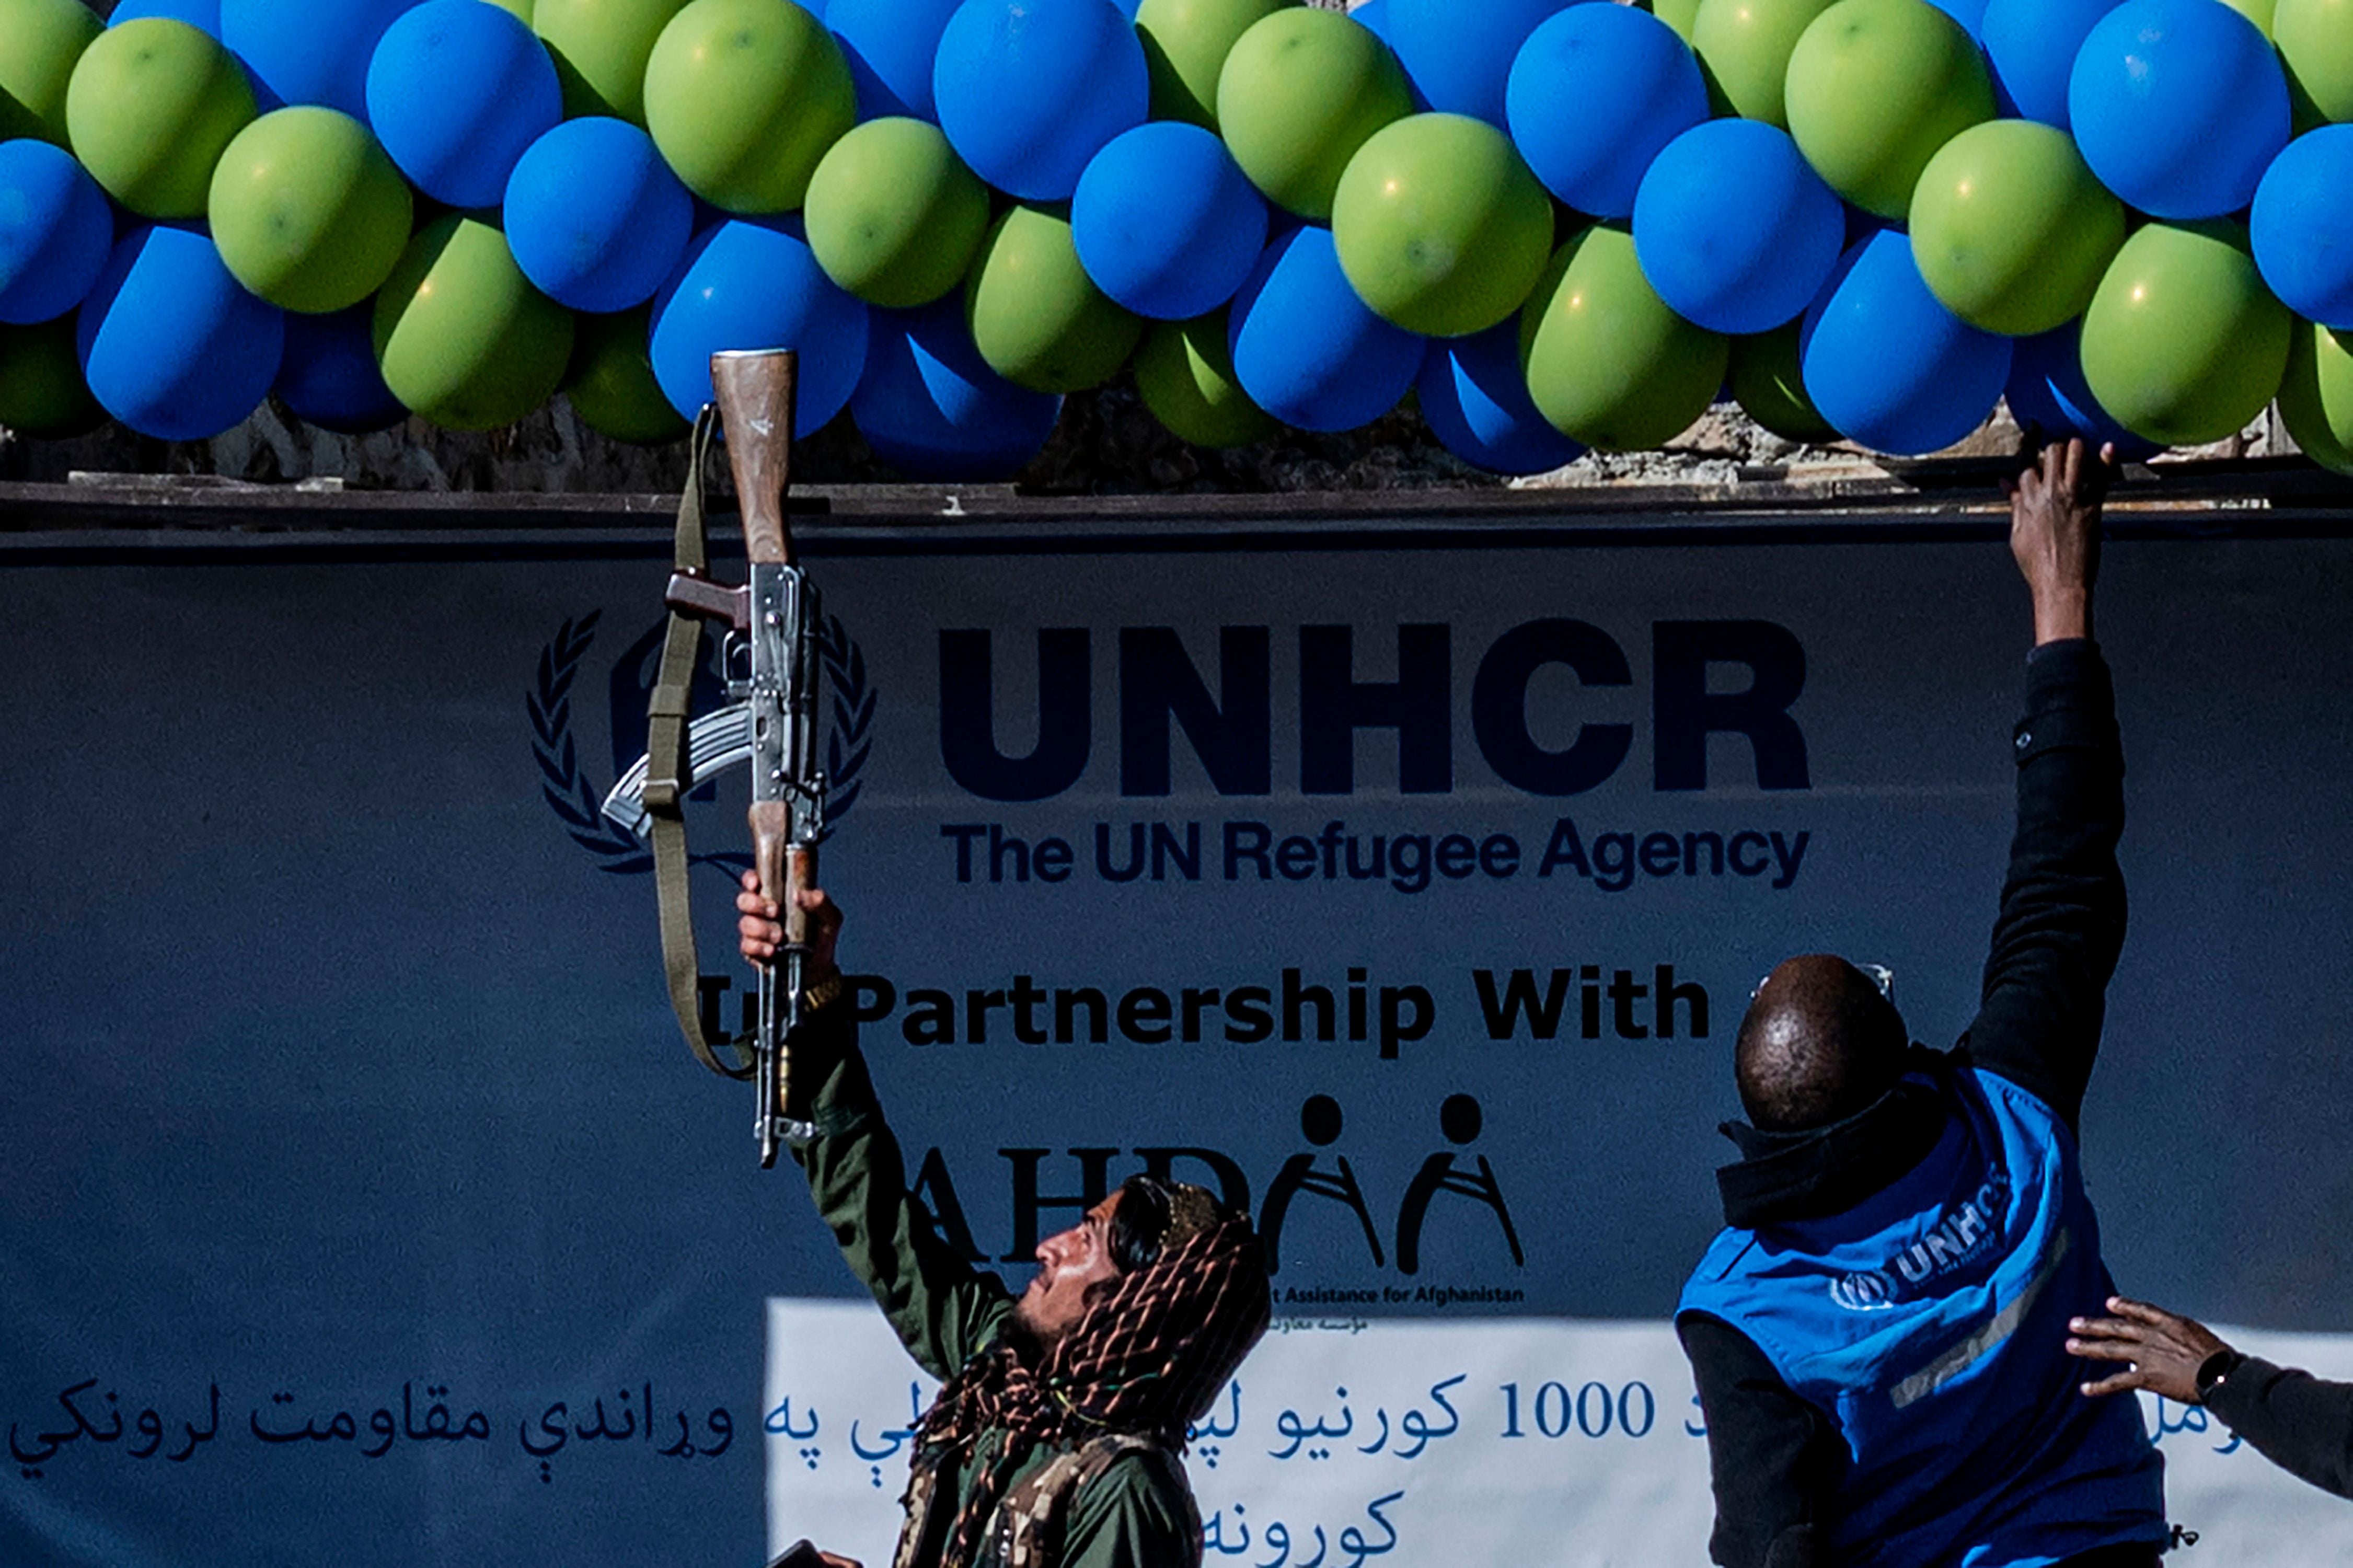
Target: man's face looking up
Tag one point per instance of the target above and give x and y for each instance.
(1071, 1264)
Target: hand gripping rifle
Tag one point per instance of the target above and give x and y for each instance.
(771, 723)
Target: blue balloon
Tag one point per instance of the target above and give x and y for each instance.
(1475, 398)
(1735, 230)
(754, 283)
(55, 231)
(310, 51)
(1306, 349)
(1596, 93)
(1460, 56)
(2031, 46)
(2179, 106)
(204, 15)
(457, 91)
(2301, 226)
(2047, 394)
(891, 45)
(1166, 223)
(169, 343)
(1372, 15)
(329, 377)
(1888, 367)
(595, 217)
(1029, 91)
(932, 408)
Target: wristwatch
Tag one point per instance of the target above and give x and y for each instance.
(824, 994)
(2215, 1370)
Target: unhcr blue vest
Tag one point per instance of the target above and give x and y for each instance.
(1930, 1323)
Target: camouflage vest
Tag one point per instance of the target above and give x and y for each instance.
(1026, 1530)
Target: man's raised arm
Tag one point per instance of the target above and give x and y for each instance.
(941, 1307)
(2062, 922)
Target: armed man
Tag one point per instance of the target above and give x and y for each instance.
(1057, 1440)
(1877, 1336)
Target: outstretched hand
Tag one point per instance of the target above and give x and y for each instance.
(761, 931)
(2162, 1351)
(2054, 534)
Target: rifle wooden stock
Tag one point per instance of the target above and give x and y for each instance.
(753, 389)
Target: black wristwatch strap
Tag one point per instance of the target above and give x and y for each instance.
(2216, 1369)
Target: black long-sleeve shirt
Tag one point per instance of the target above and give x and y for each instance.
(2301, 1422)
(1777, 1458)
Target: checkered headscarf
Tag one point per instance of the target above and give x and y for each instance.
(1149, 1357)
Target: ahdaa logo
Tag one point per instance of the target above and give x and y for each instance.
(577, 798)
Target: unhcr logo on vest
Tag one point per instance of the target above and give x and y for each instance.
(1958, 1238)
(1865, 1290)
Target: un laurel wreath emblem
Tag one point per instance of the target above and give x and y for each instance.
(577, 801)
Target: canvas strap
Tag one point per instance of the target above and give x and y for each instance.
(668, 774)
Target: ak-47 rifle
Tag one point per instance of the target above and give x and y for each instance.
(772, 634)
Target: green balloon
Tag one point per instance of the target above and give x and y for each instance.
(2010, 230)
(1439, 226)
(743, 97)
(1876, 86)
(43, 38)
(308, 212)
(461, 336)
(519, 9)
(2315, 45)
(41, 390)
(600, 48)
(1743, 50)
(1608, 362)
(2183, 344)
(1037, 318)
(1766, 382)
(1300, 92)
(2259, 12)
(151, 105)
(1677, 13)
(893, 215)
(1186, 43)
(2315, 398)
(1186, 379)
(611, 382)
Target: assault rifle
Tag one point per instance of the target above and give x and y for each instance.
(772, 624)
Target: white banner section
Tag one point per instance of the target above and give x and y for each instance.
(1533, 1443)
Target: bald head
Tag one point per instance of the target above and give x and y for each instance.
(1819, 1043)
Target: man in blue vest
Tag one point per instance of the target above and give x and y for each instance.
(1877, 1336)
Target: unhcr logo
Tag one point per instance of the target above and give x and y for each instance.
(1960, 1238)
(577, 797)
(1864, 1290)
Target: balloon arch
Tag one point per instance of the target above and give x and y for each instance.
(1558, 223)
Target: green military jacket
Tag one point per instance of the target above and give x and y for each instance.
(1138, 1512)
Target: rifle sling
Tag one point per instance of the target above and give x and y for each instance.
(668, 780)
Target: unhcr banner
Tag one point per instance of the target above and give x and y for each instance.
(364, 1206)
